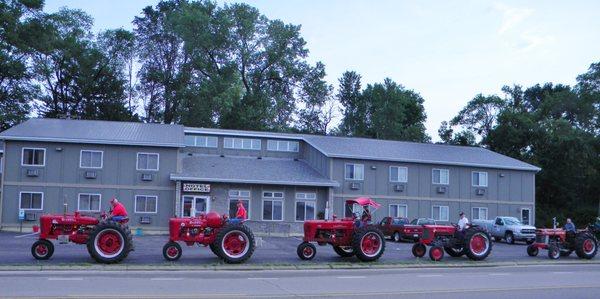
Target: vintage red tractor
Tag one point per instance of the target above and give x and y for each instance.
(228, 239)
(559, 243)
(107, 241)
(473, 241)
(348, 236)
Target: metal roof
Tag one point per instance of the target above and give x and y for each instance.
(250, 170)
(390, 150)
(96, 132)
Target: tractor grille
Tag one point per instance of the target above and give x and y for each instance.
(528, 231)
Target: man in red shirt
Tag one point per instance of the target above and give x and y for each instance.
(241, 211)
(118, 210)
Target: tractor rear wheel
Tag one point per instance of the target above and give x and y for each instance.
(454, 252)
(532, 250)
(586, 246)
(553, 252)
(419, 250)
(306, 251)
(235, 243)
(344, 251)
(368, 243)
(109, 242)
(478, 244)
(172, 251)
(436, 253)
(42, 249)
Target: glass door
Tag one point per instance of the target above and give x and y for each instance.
(194, 205)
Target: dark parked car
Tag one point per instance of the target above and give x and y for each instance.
(399, 228)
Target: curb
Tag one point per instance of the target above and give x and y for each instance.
(289, 267)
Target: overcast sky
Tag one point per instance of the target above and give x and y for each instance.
(448, 51)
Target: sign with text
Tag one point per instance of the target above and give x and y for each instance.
(21, 214)
(190, 187)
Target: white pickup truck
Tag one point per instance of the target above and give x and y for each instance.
(508, 228)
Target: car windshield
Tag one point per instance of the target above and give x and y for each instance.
(414, 221)
(511, 221)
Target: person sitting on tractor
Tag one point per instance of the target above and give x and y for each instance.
(366, 215)
(570, 226)
(240, 214)
(462, 222)
(118, 212)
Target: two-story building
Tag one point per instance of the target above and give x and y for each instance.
(160, 171)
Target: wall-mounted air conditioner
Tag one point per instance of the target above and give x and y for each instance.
(441, 189)
(33, 173)
(399, 188)
(90, 175)
(354, 186)
(147, 177)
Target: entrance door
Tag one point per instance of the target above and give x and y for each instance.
(194, 205)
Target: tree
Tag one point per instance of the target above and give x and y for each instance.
(479, 115)
(315, 97)
(19, 26)
(446, 133)
(355, 109)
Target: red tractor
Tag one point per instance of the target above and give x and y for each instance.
(107, 241)
(228, 239)
(559, 243)
(348, 236)
(473, 242)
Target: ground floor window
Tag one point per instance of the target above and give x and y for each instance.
(194, 205)
(396, 210)
(89, 202)
(146, 204)
(234, 197)
(440, 213)
(306, 206)
(272, 206)
(479, 213)
(526, 216)
(31, 200)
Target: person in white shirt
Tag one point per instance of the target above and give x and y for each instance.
(462, 222)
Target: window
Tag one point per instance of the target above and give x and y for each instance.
(440, 213)
(146, 204)
(201, 141)
(398, 210)
(242, 143)
(273, 206)
(282, 146)
(33, 157)
(480, 213)
(526, 216)
(398, 174)
(355, 172)
(89, 202)
(306, 206)
(90, 159)
(480, 179)
(147, 161)
(234, 197)
(31, 201)
(440, 176)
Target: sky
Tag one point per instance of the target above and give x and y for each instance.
(447, 51)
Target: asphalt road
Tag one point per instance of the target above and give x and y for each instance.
(15, 250)
(550, 281)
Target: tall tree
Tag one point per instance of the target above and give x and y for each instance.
(355, 110)
(479, 115)
(316, 111)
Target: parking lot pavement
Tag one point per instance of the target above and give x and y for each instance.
(16, 250)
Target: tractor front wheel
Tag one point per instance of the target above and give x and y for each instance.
(344, 251)
(42, 249)
(109, 242)
(436, 253)
(235, 243)
(368, 243)
(172, 251)
(586, 246)
(419, 250)
(532, 250)
(306, 251)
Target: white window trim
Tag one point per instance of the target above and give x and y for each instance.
(32, 192)
(32, 148)
(287, 142)
(478, 174)
(135, 204)
(440, 169)
(137, 162)
(91, 151)
(479, 208)
(440, 214)
(305, 200)
(521, 215)
(282, 199)
(89, 194)
(206, 145)
(398, 181)
(248, 211)
(355, 164)
(252, 140)
(399, 205)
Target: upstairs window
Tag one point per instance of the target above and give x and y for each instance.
(147, 161)
(89, 202)
(33, 157)
(282, 146)
(242, 143)
(201, 141)
(480, 179)
(440, 176)
(398, 174)
(355, 172)
(91, 159)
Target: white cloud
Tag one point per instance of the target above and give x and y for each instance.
(511, 16)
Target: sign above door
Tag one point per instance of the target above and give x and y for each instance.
(192, 187)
